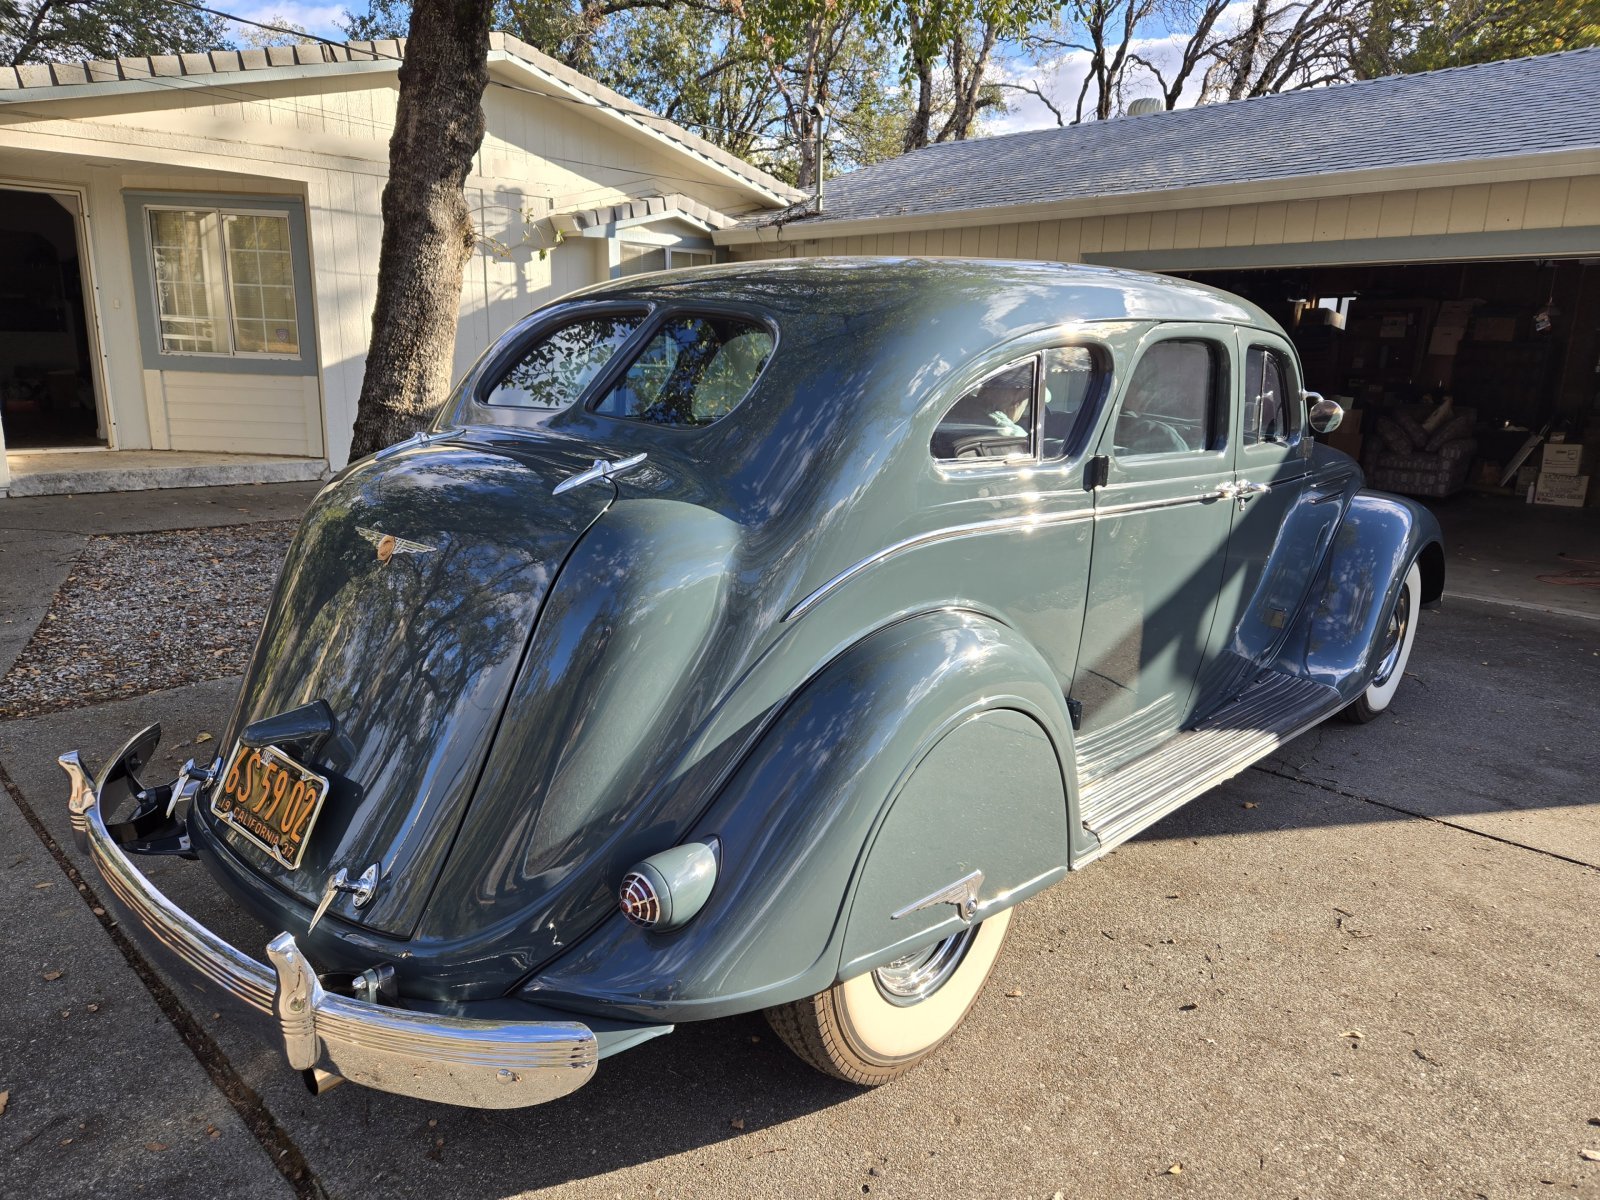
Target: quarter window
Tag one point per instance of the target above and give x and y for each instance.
(993, 420)
(1271, 409)
(225, 282)
(1072, 376)
(554, 372)
(695, 370)
(1170, 405)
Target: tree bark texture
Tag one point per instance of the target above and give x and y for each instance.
(427, 228)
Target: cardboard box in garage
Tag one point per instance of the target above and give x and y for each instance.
(1561, 489)
(1562, 458)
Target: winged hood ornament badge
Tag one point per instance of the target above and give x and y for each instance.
(387, 545)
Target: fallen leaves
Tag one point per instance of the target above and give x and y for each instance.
(1014, 994)
(737, 1123)
(1174, 1169)
(156, 1147)
(1352, 1033)
(5, 1099)
(203, 736)
(51, 975)
(1589, 1155)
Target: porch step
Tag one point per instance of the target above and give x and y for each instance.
(60, 473)
(1277, 709)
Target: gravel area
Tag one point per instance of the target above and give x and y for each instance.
(146, 611)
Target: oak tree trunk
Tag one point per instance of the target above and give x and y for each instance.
(427, 228)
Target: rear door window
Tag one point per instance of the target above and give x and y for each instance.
(992, 420)
(695, 370)
(1170, 405)
(555, 370)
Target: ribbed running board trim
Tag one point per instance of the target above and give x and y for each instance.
(1276, 710)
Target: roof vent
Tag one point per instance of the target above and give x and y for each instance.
(1145, 105)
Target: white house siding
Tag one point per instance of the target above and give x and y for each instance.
(321, 136)
(1415, 218)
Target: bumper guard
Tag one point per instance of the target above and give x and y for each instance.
(473, 1063)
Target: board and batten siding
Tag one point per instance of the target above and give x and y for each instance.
(1442, 222)
(323, 140)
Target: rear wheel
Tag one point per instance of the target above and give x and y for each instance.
(876, 1027)
(1398, 633)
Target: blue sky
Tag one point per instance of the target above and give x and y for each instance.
(320, 19)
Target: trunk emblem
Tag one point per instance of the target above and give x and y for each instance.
(387, 545)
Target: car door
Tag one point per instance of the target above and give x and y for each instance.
(1279, 529)
(1162, 517)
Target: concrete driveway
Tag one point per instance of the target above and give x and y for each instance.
(1369, 967)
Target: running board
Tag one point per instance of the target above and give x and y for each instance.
(1277, 709)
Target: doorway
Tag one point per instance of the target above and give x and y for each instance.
(48, 395)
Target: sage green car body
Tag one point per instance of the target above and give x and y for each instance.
(791, 634)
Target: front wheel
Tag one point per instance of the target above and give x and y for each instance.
(876, 1027)
(1398, 633)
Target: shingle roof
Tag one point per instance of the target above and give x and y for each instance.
(1522, 106)
(30, 81)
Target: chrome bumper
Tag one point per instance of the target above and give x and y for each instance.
(476, 1064)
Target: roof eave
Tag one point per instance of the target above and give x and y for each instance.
(1449, 173)
(750, 179)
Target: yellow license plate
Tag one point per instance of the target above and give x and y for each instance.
(270, 799)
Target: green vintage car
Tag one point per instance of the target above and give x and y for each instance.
(756, 638)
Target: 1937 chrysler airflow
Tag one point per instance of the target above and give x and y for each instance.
(821, 611)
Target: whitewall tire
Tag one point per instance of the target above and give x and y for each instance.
(1396, 635)
(877, 1026)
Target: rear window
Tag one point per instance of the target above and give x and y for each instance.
(554, 372)
(693, 371)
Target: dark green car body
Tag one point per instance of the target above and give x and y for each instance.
(860, 671)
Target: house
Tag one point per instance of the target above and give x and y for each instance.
(189, 245)
(1420, 236)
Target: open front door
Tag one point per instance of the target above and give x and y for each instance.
(48, 393)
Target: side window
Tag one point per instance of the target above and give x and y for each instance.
(693, 371)
(1271, 407)
(555, 371)
(1170, 405)
(1072, 378)
(993, 420)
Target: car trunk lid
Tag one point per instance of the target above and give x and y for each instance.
(406, 604)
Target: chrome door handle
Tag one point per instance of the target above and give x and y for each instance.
(1242, 491)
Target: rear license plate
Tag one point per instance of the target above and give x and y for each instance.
(270, 799)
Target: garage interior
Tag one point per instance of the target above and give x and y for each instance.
(1473, 387)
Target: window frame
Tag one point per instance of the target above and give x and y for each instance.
(139, 206)
(1083, 426)
(1294, 394)
(1219, 415)
(485, 378)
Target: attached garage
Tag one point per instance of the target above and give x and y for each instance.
(1431, 242)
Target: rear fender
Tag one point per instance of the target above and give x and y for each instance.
(1336, 639)
(855, 804)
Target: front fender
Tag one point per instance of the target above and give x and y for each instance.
(811, 825)
(1378, 539)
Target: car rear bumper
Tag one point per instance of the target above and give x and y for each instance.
(453, 1060)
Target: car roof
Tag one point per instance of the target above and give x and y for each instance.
(1014, 294)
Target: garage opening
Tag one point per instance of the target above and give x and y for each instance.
(47, 387)
(1473, 387)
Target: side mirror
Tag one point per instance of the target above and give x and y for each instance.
(1325, 415)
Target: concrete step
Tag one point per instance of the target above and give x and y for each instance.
(60, 473)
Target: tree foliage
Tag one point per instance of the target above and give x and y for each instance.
(1403, 36)
(34, 31)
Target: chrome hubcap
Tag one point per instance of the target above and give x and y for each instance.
(913, 978)
(1394, 637)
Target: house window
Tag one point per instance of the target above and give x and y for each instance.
(224, 282)
(635, 258)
